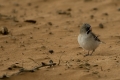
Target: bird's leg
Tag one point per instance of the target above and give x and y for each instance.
(92, 52)
(84, 51)
(88, 53)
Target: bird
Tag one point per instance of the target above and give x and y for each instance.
(87, 39)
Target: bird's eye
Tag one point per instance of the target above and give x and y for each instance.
(87, 28)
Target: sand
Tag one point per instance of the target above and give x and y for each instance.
(52, 35)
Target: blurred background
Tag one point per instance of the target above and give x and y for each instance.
(43, 30)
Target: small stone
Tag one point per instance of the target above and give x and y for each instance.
(4, 30)
(95, 9)
(106, 14)
(51, 61)
(6, 41)
(101, 25)
(29, 4)
(50, 33)
(60, 73)
(31, 21)
(118, 9)
(92, 16)
(95, 65)
(64, 12)
(50, 23)
(31, 37)
(69, 9)
(51, 51)
(9, 68)
(4, 76)
(1, 47)
(43, 47)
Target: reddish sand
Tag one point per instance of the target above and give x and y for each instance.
(56, 28)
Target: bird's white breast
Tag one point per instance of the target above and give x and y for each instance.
(86, 41)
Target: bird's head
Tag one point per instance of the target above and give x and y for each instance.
(85, 28)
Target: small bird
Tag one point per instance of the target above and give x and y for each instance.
(87, 39)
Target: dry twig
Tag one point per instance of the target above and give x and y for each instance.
(22, 69)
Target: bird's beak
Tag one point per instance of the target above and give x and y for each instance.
(89, 30)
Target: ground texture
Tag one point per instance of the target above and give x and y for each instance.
(44, 30)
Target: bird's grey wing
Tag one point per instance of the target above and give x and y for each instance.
(95, 37)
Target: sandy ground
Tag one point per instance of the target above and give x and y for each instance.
(56, 30)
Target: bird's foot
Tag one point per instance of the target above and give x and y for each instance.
(90, 54)
(86, 55)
